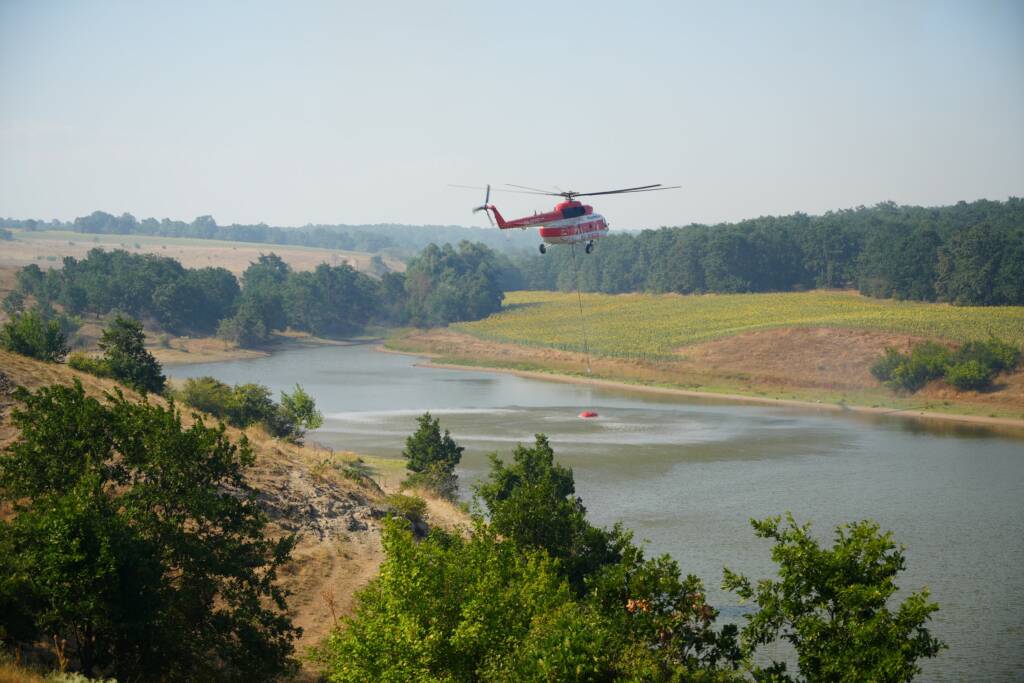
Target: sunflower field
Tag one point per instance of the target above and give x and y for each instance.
(653, 326)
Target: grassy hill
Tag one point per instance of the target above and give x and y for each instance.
(648, 326)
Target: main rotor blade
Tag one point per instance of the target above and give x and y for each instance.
(642, 188)
(499, 189)
(535, 190)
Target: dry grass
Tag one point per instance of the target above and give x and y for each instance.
(47, 248)
(12, 673)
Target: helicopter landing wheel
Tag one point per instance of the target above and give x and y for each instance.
(590, 246)
(543, 249)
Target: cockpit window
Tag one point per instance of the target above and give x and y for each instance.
(573, 211)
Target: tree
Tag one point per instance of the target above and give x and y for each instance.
(138, 541)
(831, 605)
(300, 408)
(533, 502)
(31, 334)
(432, 457)
(125, 354)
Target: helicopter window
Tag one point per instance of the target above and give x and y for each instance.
(573, 211)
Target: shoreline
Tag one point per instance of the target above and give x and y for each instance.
(199, 350)
(904, 413)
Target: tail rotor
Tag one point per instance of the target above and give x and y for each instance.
(485, 206)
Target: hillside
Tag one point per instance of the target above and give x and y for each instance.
(303, 490)
(46, 248)
(808, 346)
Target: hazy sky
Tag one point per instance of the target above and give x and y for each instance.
(362, 112)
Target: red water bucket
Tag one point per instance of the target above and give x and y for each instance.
(588, 414)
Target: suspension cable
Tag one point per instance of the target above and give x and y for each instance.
(579, 298)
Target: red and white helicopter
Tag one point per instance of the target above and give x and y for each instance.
(570, 222)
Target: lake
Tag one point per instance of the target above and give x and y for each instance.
(688, 474)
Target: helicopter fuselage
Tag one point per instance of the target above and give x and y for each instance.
(570, 222)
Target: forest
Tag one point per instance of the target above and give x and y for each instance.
(969, 254)
(441, 285)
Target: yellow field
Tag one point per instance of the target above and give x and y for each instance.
(655, 326)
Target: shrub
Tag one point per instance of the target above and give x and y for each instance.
(884, 367)
(248, 404)
(969, 375)
(413, 508)
(32, 334)
(993, 354)
(93, 366)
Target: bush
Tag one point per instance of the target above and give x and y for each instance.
(969, 375)
(973, 366)
(993, 354)
(93, 366)
(32, 334)
(884, 367)
(926, 361)
(413, 508)
(248, 404)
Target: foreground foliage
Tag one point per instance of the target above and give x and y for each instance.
(137, 540)
(540, 594)
(830, 604)
(656, 326)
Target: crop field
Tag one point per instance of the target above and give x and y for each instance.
(649, 326)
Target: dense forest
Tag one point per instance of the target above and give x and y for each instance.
(969, 254)
(443, 284)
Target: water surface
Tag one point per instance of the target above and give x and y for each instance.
(688, 474)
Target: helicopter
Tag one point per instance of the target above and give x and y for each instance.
(570, 222)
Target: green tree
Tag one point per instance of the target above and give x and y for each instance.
(124, 353)
(126, 542)
(300, 408)
(533, 502)
(31, 334)
(831, 605)
(432, 457)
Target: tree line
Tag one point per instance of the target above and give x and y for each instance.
(441, 285)
(969, 253)
(397, 239)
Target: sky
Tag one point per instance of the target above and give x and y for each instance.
(291, 113)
